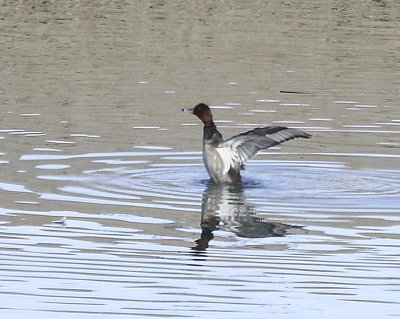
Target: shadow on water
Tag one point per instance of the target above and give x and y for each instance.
(224, 207)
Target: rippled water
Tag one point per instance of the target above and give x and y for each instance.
(106, 209)
(160, 240)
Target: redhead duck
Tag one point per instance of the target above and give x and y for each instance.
(224, 159)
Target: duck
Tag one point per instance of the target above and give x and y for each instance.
(224, 159)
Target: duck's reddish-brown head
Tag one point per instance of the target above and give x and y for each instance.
(203, 112)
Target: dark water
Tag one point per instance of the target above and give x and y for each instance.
(106, 209)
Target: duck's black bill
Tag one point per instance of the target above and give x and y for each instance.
(188, 110)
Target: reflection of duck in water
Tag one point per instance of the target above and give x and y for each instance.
(224, 208)
(224, 159)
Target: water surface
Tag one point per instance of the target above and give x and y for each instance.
(106, 209)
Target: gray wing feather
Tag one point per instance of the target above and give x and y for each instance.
(240, 148)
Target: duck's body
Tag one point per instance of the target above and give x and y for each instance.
(224, 159)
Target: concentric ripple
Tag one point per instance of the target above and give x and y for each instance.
(303, 184)
(146, 234)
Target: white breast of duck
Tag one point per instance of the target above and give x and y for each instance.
(217, 159)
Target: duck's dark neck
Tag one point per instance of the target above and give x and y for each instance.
(210, 132)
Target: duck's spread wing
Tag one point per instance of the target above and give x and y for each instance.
(236, 151)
